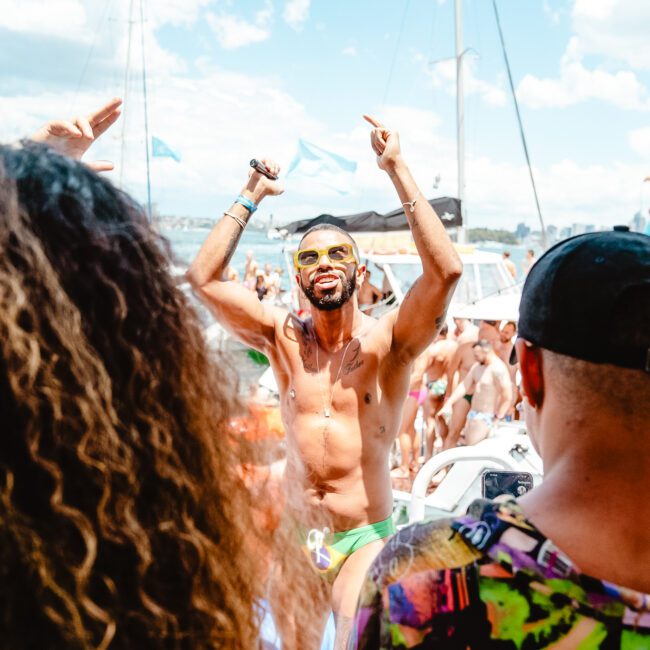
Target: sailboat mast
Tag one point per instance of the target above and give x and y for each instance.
(127, 70)
(146, 112)
(460, 120)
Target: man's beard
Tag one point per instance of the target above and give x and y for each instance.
(330, 302)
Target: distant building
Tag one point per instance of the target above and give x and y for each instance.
(590, 227)
(565, 233)
(522, 231)
(638, 223)
(552, 234)
(578, 229)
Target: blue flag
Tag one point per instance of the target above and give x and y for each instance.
(160, 150)
(322, 166)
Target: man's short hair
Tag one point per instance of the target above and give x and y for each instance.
(511, 322)
(506, 253)
(331, 226)
(484, 344)
(492, 323)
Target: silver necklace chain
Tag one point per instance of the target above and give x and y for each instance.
(327, 410)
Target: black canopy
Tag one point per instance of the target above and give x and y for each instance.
(448, 209)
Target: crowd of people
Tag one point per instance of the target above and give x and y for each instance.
(142, 505)
(265, 281)
(462, 387)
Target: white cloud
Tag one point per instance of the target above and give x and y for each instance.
(639, 141)
(175, 12)
(296, 12)
(443, 75)
(616, 29)
(233, 32)
(59, 18)
(555, 14)
(350, 50)
(577, 83)
(214, 121)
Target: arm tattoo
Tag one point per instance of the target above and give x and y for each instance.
(408, 293)
(231, 246)
(440, 320)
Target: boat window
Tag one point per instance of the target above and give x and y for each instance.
(406, 274)
(466, 289)
(492, 281)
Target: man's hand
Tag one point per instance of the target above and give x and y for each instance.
(73, 137)
(385, 144)
(259, 186)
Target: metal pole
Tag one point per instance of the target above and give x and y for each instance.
(126, 92)
(460, 120)
(146, 115)
(521, 125)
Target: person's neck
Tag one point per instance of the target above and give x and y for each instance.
(337, 327)
(593, 497)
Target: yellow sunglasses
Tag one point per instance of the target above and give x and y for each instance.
(337, 254)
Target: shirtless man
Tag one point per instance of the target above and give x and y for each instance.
(409, 440)
(489, 384)
(465, 330)
(509, 264)
(250, 271)
(342, 376)
(451, 425)
(440, 355)
(271, 282)
(369, 294)
(506, 343)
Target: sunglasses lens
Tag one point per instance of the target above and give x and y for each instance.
(307, 258)
(339, 253)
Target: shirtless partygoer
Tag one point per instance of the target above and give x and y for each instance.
(342, 376)
(441, 353)
(369, 294)
(489, 384)
(465, 330)
(450, 425)
(409, 440)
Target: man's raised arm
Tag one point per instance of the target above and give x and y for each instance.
(234, 306)
(422, 312)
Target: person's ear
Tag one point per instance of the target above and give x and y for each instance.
(531, 367)
(298, 280)
(361, 271)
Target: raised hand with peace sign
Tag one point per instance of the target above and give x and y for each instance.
(73, 137)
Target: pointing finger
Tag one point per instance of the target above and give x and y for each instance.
(103, 112)
(106, 123)
(101, 165)
(374, 121)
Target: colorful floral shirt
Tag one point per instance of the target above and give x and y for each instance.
(488, 581)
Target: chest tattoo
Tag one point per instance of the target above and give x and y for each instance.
(354, 362)
(307, 357)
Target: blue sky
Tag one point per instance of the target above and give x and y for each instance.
(233, 80)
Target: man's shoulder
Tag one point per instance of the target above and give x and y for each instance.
(429, 546)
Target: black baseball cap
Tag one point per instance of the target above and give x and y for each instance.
(588, 297)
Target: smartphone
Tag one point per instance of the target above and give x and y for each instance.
(261, 168)
(497, 482)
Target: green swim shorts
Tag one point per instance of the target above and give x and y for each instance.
(328, 551)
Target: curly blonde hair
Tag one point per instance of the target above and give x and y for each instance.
(122, 521)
